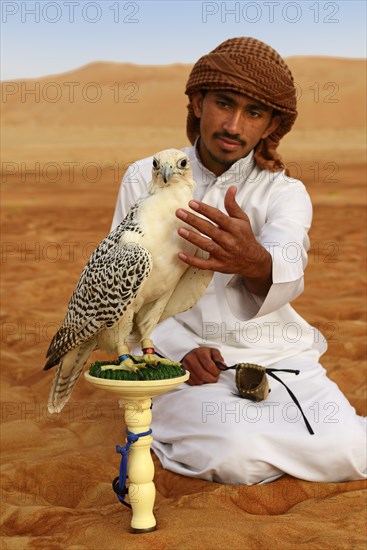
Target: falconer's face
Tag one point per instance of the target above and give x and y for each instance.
(231, 125)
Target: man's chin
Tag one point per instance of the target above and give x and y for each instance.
(226, 159)
(219, 160)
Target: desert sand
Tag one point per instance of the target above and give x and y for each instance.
(67, 140)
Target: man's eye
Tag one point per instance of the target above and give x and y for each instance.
(254, 114)
(222, 103)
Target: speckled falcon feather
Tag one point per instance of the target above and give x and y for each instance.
(107, 286)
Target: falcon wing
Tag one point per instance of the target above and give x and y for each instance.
(189, 289)
(107, 286)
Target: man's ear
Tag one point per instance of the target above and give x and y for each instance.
(197, 103)
(273, 125)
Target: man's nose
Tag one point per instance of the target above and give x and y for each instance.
(232, 123)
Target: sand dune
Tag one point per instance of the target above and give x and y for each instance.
(331, 94)
(57, 472)
(108, 111)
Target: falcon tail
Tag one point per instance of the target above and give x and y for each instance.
(70, 367)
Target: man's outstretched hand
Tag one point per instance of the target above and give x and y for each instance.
(229, 241)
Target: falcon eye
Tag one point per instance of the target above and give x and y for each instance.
(182, 163)
(155, 163)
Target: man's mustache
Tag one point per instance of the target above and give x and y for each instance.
(232, 137)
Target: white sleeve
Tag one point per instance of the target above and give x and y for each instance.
(284, 235)
(134, 184)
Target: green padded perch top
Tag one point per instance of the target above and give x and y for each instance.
(156, 369)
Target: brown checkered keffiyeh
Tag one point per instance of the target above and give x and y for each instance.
(248, 66)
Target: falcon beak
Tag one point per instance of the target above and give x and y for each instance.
(166, 172)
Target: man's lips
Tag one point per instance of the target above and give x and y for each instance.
(228, 144)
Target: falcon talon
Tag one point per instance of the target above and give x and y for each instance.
(140, 374)
(150, 359)
(127, 362)
(149, 355)
(155, 366)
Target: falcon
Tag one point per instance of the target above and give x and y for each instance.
(133, 280)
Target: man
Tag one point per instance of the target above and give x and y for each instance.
(253, 221)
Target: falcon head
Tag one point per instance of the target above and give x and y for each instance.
(170, 167)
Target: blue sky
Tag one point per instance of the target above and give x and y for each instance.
(48, 37)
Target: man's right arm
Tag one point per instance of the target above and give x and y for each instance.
(200, 362)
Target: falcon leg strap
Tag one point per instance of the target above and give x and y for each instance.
(148, 351)
(119, 483)
(124, 356)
